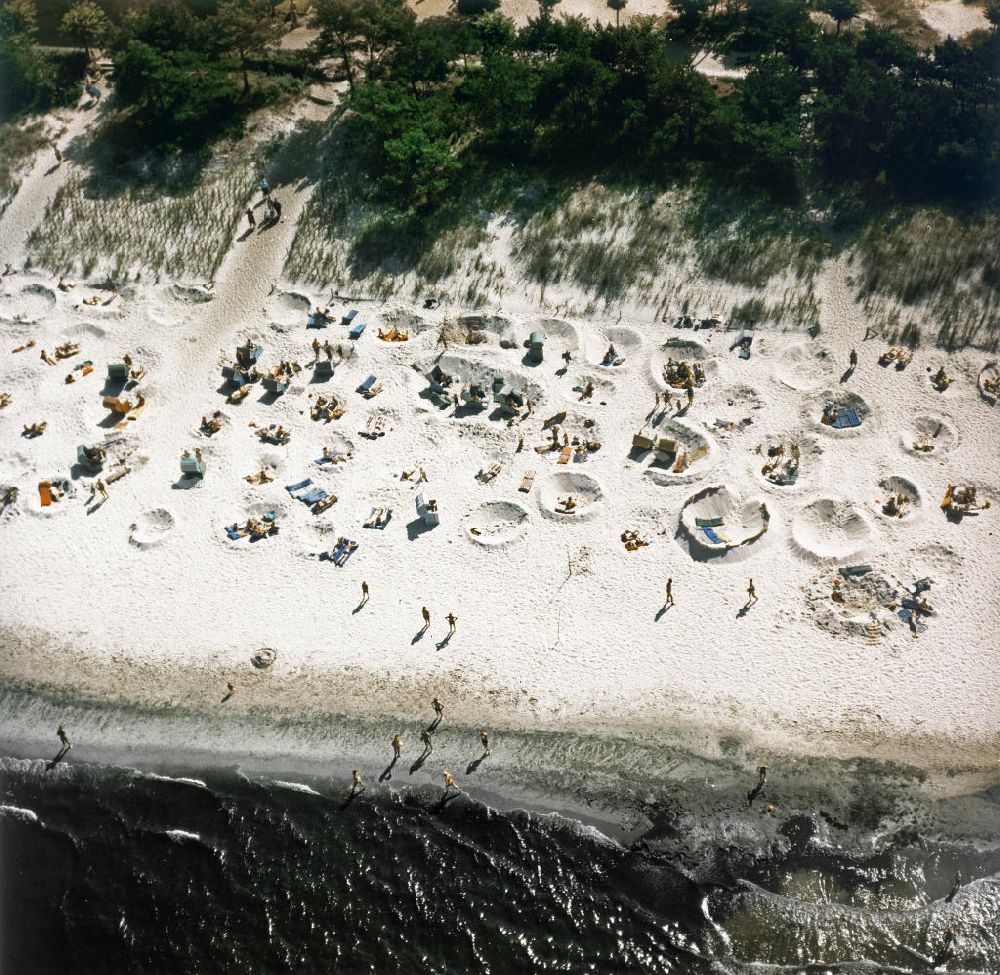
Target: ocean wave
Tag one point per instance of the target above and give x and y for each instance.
(16, 812)
(182, 834)
(170, 778)
(294, 787)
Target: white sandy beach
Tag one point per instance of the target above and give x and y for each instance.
(143, 599)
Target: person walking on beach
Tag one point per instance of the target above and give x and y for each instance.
(63, 738)
(955, 887)
(438, 710)
(397, 746)
(751, 593)
(265, 189)
(357, 786)
(58, 154)
(485, 739)
(853, 358)
(276, 209)
(426, 614)
(428, 740)
(452, 620)
(449, 784)
(364, 592)
(251, 218)
(669, 601)
(316, 347)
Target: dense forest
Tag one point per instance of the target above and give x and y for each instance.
(440, 104)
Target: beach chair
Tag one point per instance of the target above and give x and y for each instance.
(666, 446)
(709, 522)
(349, 317)
(641, 442)
(248, 355)
(367, 385)
(45, 493)
(743, 342)
(192, 467)
(555, 419)
(372, 391)
(273, 385)
(536, 347)
(117, 372)
(527, 481)
(490, 473)
(355, 333)
(564, 455)
(317, 321)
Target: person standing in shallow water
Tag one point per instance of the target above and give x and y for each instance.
(428, 740)
(63, 738)
(397, 746)
(357, 786)
(449, 784)
(438, 709)
(485, 739)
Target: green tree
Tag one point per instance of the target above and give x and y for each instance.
(993, 14)
(86, 22)
(545, 8)
(842, 10)
(337, 22)
(617, 6)
(245, 27)
(18, 21)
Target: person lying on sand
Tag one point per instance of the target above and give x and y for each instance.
(47, 359)
(64, 285)
(93, 300)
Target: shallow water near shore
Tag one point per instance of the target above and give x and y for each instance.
(264, 865)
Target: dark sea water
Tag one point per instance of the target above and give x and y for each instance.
(106, 869)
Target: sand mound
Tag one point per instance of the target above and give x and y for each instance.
(627, 343)
(899, 485)
(804, 366)
(831, 529)
(86, 330)
(192, 294)
(559, 334)
(737, 523)
(151, 528)
(581, 487)
(495, 523)
(930, 437)
(404, 319)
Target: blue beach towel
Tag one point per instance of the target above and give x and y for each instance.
(234, 534)
(292, 488)
(846, 418)
(712, 536)
(317, 494)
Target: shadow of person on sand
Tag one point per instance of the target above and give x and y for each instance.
(474, 764)
(847, 374)
(351, 796)
(60, 755)
(743, 610)
(387, 772)
(419, 634)
(443, 643)
(443, 801)
(661, 612)
(419, 763)
(245, 235)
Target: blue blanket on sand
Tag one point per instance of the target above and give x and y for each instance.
(711, 535)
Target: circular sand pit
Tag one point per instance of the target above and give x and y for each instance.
(581, 489)
(560, 336)
(288, 307)
(930, 437)
(495, 523)
(784, 459)
(681, 452)
(715, 522)
(151, 528)
(831, 530)
(191, 294)
(627, 345)
(263, 658)
(839, 413)
(684, 350)
(804, 366)
(34, 301)
(899, 498)
(989, 383)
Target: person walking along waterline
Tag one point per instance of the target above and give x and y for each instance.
(449, 784)
(397, 746)
(63, 738)
(428, 740)
(438, 710)
(485, 739)
(357, 786)
(452, 620)
(426, 614)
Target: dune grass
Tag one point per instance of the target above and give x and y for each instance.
(19, 142)
(175, 215)
(935, 267)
